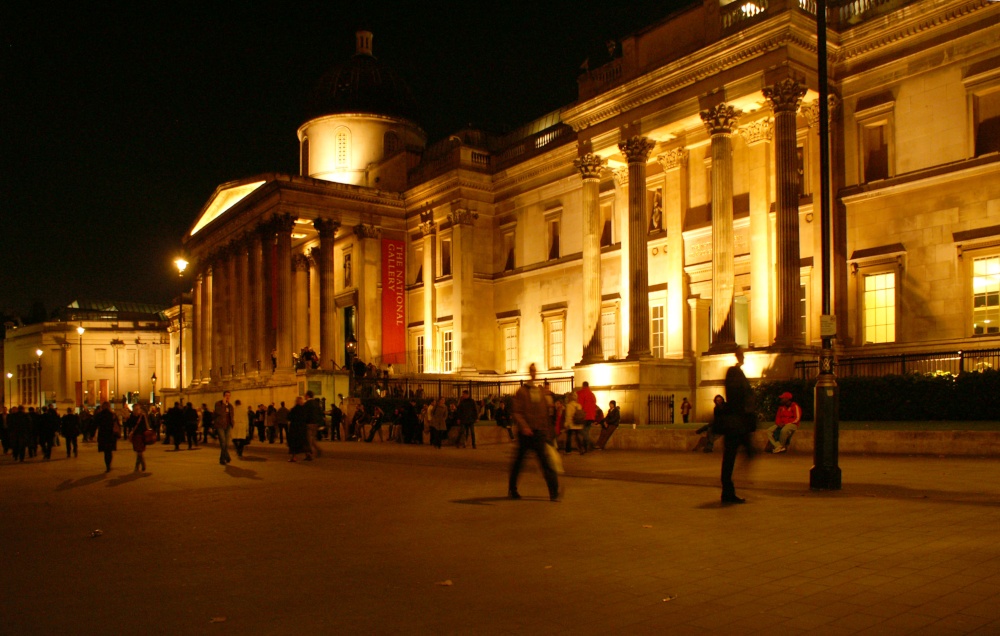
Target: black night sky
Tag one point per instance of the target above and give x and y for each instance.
(120, 119)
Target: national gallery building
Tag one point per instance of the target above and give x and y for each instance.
(636, 236)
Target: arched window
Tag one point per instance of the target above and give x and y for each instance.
(304, 158)
(390, 143)
(342, 147)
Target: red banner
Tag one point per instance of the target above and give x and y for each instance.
(393, 302)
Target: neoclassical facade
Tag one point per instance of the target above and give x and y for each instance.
(635, 237)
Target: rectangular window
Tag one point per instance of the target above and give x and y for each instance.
(986, 111)
(556, 351)
(510, 349)
(553, 239)
(446, 351)
(445, 257)
(420, 354)
(986, 295)
(418, 261)
(101, 357)
(657, 330)
(741, 320)
(880, 307)
(875, 149)
(131, 358)
(609, 334)
(607, 221)
(508, 252)
(802, 311)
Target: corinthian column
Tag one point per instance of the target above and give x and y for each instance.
(218, 311)
(300, 265)
(785, 97)
(283, 266)
(207, 339)
(230, 312)
(427, 230)
(256, 325)
(327, 306)
(636, 150)
(197, 306)
(674, 164)
(720, 122)
(589, 166)
(470, 347)
(240, 315)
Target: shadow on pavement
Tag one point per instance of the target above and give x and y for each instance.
(129, 477)
(250, 458)
(69, 484)
(242, 473)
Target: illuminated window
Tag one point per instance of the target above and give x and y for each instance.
(510, 349)
(986, 295)
(657, 330)
(342, 147)
(555, 344)
(420, 354)
(880, 307)
(446, 351)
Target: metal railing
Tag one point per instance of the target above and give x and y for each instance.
(953, 362)
(660, 409)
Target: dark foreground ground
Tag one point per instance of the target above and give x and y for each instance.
(382, 538)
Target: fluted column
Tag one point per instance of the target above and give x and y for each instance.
(636, 150)
(367, 261)
(327, 229)
(674, 164)
(283, 266)
(197, 306)
(314, 321)
(463, 298)
(590, 166)
(300, 265)
(241, 315)
(785, 97)
(720, 122)
(230, 311)
(218, 309)
(270, 319)
(430, 293)
(207, 338)
(759, 137)
(257, 324)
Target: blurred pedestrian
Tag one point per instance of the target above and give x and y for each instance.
(108, 432)
(241, 432)
(739, 422)
(531, 414)
(314, 419)
(190, 419)
(468, 413)
(138, 439)
(222, 420)
(298, 435)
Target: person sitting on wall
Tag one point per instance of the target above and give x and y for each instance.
(786, 422)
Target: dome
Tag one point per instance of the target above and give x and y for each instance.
(362, 85)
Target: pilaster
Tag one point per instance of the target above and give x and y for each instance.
(324, 257)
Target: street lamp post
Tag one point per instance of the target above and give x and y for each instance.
(83, 392)
(38, 366)
(153, 380)
(10, 399)
(181, 266)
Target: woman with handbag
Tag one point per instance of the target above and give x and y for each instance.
(139, 438)
(241, 428)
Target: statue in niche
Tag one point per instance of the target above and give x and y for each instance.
(656, 213)
(347, 270)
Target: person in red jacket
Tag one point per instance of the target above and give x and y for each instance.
(588, 404)
(786, 422)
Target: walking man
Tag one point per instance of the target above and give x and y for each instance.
(532, 403)
(740, 421)
(223, 422)
(468, 413)
(70, 426)
(314, 419)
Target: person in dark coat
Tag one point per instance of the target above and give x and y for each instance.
(190, 418)
(18, 432)
(738, 424)
(70, 429)
(48, 424)
(609, 425)
(174, 420)
(468, 413)
(298, 435)
(107, 438)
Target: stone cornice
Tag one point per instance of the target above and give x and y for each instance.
(905, 23)
(789, 29)
(560, 159)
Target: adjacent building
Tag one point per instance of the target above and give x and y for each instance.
(635, 237)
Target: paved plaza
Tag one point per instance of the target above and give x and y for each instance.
(382, 538)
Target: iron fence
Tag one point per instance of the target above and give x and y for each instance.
(449, 388)
(660, 409)
(953, 362)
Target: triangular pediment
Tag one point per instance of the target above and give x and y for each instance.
(223, 200)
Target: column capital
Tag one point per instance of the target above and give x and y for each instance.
(426, 222)
(283, 223)
(757, 131)
(673, 159)
(327, 228)
(300, 263)
(621, 176)
(811, 110)
(314, 254)
(721, 119)
(785, 95)
(636, 149)
(463, 217)
(363, 231)
(589, 165)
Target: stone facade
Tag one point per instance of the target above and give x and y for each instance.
(635, 237)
